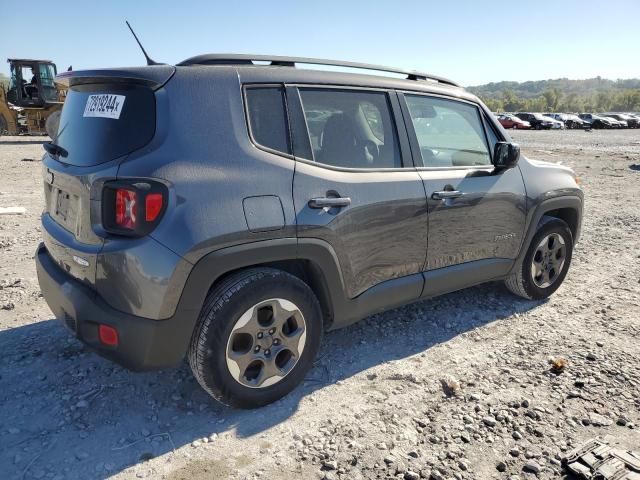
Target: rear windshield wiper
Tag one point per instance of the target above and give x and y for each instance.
(55, 150)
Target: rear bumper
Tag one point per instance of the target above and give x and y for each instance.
(144, 344)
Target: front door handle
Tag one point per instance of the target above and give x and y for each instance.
(329, 202)
(445, 194)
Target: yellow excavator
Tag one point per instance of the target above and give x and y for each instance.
(32, 102)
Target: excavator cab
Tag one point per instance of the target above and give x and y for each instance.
(32, 83)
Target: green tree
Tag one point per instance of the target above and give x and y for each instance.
(562, 95)
(511, 102)
(553, 98)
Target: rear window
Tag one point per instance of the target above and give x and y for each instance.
(267, 118)
(103, 122)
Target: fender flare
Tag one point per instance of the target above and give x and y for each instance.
(535, 215)
(214, 265)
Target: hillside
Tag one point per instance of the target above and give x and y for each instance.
(593, 94)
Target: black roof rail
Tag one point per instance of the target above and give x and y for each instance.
(243, 59)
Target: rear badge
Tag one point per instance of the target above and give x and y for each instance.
(80, 261)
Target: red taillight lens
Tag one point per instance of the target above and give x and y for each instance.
(126, 208)
(133, 208)
(152, 206)
(108, 335)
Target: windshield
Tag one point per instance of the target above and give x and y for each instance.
(47, 74)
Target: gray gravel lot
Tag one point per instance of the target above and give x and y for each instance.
(456, 387)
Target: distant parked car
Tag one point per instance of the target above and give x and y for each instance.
(569, 120)
(596, 121)
(615, 123)
(632, 121)
(537, 120)
(574, 121)
(511, 121)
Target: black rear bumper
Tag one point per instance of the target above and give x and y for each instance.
(144, 344)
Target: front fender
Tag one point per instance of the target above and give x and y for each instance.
(574, 202)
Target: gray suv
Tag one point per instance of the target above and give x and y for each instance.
(232, 208)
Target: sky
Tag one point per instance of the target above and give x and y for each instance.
(471, 42)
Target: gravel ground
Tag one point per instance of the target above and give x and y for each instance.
(455, 387)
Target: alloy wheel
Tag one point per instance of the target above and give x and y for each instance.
(266, 343)
(548, 260)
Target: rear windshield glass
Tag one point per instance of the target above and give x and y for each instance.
(103, 122)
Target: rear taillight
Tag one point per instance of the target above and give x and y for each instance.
(134, 207)
(126, 208)
(153, 206)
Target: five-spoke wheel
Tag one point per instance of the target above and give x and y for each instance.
(548, 260)
(266, 343)
(258, 334)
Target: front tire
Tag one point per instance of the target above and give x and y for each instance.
(546, 262)
(258, 334)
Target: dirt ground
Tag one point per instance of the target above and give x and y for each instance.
(374, 405)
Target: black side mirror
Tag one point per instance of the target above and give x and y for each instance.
(506, 155)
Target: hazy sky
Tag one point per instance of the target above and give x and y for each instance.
(472, 42)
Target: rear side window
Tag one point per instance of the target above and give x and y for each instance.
(449, 133)
(267, 118)
(351, 128)
(104, 122)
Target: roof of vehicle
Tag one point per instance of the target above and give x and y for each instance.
(278, 72)
(275, 60)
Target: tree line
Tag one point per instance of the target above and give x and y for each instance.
(562, 95)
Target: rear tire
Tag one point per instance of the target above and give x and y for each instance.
(546, 262)
(247, 350)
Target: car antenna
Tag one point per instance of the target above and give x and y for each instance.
(144, 52)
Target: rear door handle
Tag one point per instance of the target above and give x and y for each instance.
(445, 194)
(329, 202)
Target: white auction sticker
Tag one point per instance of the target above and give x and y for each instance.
(105, 105)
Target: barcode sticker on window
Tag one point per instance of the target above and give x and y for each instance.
(104, 105)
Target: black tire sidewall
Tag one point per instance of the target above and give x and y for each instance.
(552, 226)
(215, 373)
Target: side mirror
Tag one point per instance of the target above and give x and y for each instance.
(506, 155)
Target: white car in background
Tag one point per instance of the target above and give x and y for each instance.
(615, 123)
(555, 124)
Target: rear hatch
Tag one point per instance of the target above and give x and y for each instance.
(107, 115)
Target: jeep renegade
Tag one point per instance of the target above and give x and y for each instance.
(232, 208)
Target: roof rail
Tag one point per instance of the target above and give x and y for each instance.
(242, 59)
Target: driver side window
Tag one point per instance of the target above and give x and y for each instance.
(449, 133)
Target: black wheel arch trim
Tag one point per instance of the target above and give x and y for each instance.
(573, 202)
(219, 263)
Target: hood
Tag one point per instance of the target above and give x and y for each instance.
(543, 164)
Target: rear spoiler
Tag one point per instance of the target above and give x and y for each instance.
(153, 77)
